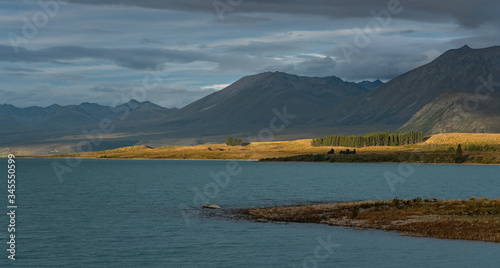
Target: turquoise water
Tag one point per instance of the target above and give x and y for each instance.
(142, 213)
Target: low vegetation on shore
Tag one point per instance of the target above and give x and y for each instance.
(477, 148)
(451, 155)
(474, 219)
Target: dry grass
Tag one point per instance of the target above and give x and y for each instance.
(260, 150)
(464, 138)
(455, 219)
(253, 151)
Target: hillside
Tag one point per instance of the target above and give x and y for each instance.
(457, 111)
(248, 105)
(395, 102)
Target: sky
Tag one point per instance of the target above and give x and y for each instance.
(177, 51)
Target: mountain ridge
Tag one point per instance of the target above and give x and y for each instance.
(320, 106)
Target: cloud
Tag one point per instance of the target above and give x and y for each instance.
(133, 58)
(98, 50)
(263, 48)
(169, 95)
(147, 41)
(377, 62)
(465, 12)
(20, 70)
(216, 87)
(311, 66)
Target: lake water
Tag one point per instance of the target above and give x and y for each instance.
(145, 213)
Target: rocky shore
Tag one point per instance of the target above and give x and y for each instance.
(473, 219)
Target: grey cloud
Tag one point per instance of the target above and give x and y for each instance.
(168, 97)
(311, 66)
(467, 13)
(164, 95)
(403, 32)
(133, 58)
(375, 63)
(20, 70)
(241, 19)
(263, 48)
(102, 89)
(96, 30)
(147, 41)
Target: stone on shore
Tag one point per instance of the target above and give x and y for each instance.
(211, 206)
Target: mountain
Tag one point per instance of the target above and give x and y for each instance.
(395, 102)
(249, 104)
(458, 111)
(65, 117)
(371, 84)
(457, 92)
(58, 126)
(134, 105)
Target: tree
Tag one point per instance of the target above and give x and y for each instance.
(459, 157)
(233, 142)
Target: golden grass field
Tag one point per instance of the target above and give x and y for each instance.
(474, 219)
(260, 150)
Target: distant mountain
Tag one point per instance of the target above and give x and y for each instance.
(395, 102)
(10, 126)
(134, 105)
(247, 105)
(38, 130)
(429, 98)
(65, 117)
(371, 85)
(458, 111)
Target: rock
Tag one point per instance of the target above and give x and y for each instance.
(211, 206)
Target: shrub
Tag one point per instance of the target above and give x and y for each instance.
(354, 212)
(395, 201)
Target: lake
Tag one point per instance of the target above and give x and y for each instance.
(146, 213)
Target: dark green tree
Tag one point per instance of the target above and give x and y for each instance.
(233, 142)
(459, 157)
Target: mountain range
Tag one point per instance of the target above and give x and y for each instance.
(456, 92)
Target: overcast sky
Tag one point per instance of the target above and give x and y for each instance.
(174, 52)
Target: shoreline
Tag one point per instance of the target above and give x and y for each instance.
(437, 149)
(473, 219)
(252, 160)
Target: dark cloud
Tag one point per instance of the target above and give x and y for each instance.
(241, 19)
(165, 95)
(374, 62)
(311, 66)
(403, 32)
(133, 58)
(20, 70)
(263, 48)
(105, 89)
(467, 13)
(147, 41)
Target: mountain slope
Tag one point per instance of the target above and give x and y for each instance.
(395, 102)
(371, 84)
(458, 111)
(249, 104)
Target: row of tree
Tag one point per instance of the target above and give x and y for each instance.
(373, 139)
(233, 141)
